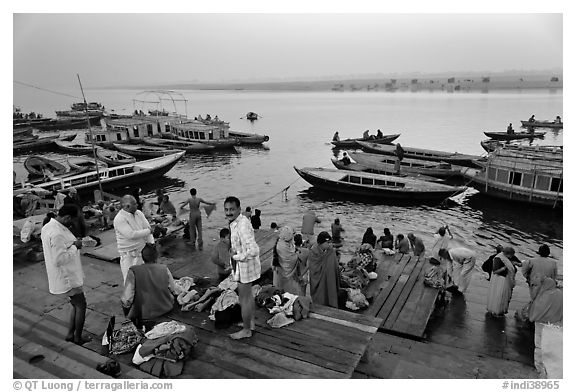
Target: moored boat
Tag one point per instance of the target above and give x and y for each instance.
(38, 165)
(354, 166)
(251, 116)
(514, 136)
(407, 165)
(79, 109)
(519, 174)
(144, 151)
(349, 143)
(66, 123)
(74, 147)
(542, 124)
(84, 163)
(379, 186)
(454, 158)
(111, 177)
(248, 138)
(179, 144)
(38, 144)
(114, 158)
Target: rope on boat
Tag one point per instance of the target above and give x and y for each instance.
(45, 89)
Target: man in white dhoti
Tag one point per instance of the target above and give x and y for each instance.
(462, 261)
(132, 232)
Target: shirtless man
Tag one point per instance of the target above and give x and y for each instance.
(195, 218)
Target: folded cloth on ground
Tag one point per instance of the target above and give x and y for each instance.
(137, 359)
(225, 300)
(228, 284)
(184, 284)
(186, 297)
(165, 329)
(389, 252)
(125, 339)
(279, 320)
(358, 299)
(286, 304)
(435, 277)
(266, 293)
(206, 295)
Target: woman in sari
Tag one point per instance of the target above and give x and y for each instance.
(287, 272)
(324, 272)
(547, 306)
(501, 283)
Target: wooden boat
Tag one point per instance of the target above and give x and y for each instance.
(39, 144)
(524, 175)
(349, 143)
(21, 133)
(377, 185)
(248, 138)
(114, 158)
(66, 123)
(79, 109)
(74, 147)
(251, 116)
(179, 144)
(542, 124)
(514, 136)
(84, 163)
(407, 165)
(144, 151)
(118, 176)
(41, 166)
(19, 123)
(352, 166)
(454, 158)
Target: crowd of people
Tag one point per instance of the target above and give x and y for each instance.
(304, 264)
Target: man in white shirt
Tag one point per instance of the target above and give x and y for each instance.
(64, 269)
(132, 232)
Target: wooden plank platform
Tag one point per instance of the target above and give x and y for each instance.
(399, 296)
(328, 344)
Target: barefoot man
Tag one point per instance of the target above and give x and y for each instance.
(245, 262)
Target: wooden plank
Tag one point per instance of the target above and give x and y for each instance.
(374, 309)
(406, 291)
(392, 298)
(361, 327)
(348, 316)
(280, 340)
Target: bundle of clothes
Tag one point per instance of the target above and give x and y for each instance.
(165, 348)
(286, 308)
(356, 275)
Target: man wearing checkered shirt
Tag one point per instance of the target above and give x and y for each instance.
(245, 262)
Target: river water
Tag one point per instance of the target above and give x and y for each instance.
(301, 125)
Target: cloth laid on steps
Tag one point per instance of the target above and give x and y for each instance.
(165, 329)
(228, 284)
(206, 299)
(125, 339)
(264, 296)
(184, 284)
(226, 299)
(285, 305)
(435, 277)
(356, 300)
(279, 320)
(165, 356)
(187, 297)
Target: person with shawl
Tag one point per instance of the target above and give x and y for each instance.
(542, 265)
(501, 283)
(369, 237)
(287, 272)
(547, 306)
(324, 272)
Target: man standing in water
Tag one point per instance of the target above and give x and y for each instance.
(196, 218)
(308, 221)
(245, 262)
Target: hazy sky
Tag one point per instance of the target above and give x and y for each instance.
(112, 49)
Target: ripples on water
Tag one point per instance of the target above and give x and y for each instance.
(300, 126)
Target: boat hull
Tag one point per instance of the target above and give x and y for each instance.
(542, 124)
(338, 164)
(380, 193)
(514, 136)
(190, 147)
(86, 182)
(122, 159)
(73, 148)
(34, 164)
(68, 123)
(143, 151)
(429, 155)
(349, 143)
(501, 191)
(249, 139)
(40, 144)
